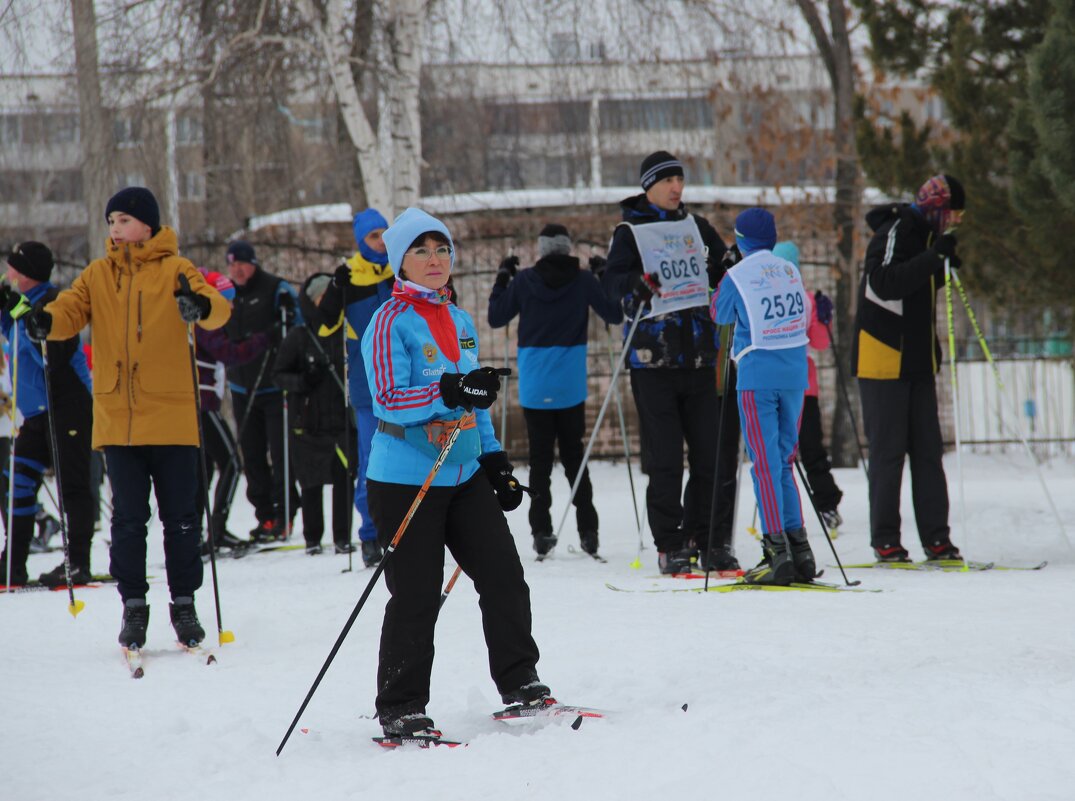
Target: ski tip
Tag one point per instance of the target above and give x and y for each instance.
(304, 730)
(76, 607)
(226, 637)
(684, 707)
(211, 660)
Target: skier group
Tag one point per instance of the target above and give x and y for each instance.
(374, 374)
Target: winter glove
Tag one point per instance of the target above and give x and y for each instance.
(341, 279)
(478, 388)
(285, 305)
(506, 271)
(716, 272)
(499, 472)
(315, 369)
(645, 286)
(9, 298)
(597, 265)
(823, 305)
(192, 306)
(38, 324)
(945, 246)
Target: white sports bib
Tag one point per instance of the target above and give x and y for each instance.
(675, 253)
(773, 293)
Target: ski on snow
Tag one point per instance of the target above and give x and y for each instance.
(943, 566)
(813, 586)
(431, 740)
(136, 657)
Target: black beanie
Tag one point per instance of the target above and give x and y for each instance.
(33, 260)
(138, 202)
(658, 166)
(955, 190)
(554, 239)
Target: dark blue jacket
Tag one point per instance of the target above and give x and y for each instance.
(67, 363)
(553, 300)
(685, 339)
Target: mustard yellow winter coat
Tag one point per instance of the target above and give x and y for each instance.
(143, 392)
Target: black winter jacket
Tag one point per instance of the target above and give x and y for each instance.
(895, 325)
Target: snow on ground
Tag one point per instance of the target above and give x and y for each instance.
(953, 686)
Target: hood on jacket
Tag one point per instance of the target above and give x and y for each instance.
(879, 215)
(164, 243)
(554, 273)
(311, 314)
(638, 209)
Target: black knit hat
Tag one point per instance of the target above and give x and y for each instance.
(138, 202)
(241, 250)
(959, 199)
(32, 259)
(658, 166)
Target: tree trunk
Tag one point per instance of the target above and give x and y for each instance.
(403, 34)
(98, 183)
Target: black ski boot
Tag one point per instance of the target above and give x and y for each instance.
(679, 561)
(544, 542)
(802, 556)
(943, 551)
(371, 553)
(891, 553)
(588, 541)
(776, 566)
(533, 693)
(408, 724)
(720, 558)
(135, 623)
(185, 621)
(58, 578)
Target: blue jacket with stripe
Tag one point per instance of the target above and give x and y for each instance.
(553, 300)
(404, 361)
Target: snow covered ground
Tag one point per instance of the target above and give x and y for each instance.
(944, 686)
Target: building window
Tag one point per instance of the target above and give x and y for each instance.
(678, 113)
(127, 132)
(188, 130)
(10, 128)
(64, 186)
(126, 179)
(192, 186)
(61, 129)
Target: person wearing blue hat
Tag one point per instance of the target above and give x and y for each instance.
(359, 286)
(763, 296)
(424, 375)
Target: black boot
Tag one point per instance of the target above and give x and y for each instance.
(588, 541)
(720, 558)
(533, 693)
(57, 577)
(407, 724)
(942, 551)
(371, 553)
(676, 561)
(776, 566)
(801, 555)
(544, 541)
(185, 621)
(135, 623)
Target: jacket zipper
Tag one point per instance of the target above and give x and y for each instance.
(139, 315)
(127, 349)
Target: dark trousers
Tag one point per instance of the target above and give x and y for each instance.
(900, 419)
(677, 406)
(313, 516)
(262, 441)
(221, 453)
(172, 470)
(33, 455)
(546, 430)
(468, 521)
(727, 465)
(815, 459)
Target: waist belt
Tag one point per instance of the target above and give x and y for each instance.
(437, 431)
(391, 429)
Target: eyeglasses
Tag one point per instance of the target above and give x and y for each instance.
(424, 254)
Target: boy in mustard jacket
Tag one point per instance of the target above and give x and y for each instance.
(144, 407)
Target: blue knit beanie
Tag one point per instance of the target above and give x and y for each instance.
(406, 229)
(364, 222)
(788, 251)
(755, 229)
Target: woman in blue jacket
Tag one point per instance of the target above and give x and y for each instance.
(421, 358)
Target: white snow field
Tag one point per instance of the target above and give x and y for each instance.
(943, 686)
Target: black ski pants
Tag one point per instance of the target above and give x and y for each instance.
(466, 519)
(172, 472)
(815, 459)
(221, 453)
(546, 430)
(33, 455)
(262, 442)
(677, 406)
(727, 466)
(313, 515)
(900, 419)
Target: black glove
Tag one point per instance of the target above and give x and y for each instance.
(732, 256)
(715, 272)
(598, 265)
(945, 246)
(38, 324)
(192, 306)
(285, 302)
(506, 271)
(341, 279)
(9, 298)
(645, 286)
(315, 369)
(476, 388)
(499, 472)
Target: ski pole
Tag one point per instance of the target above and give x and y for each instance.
(821, 522)
(222, 635)
(725, 377)
(626, 452)
(350, 439)
(601, 415)
(287, 454)
(948, 305)
(847, 402)
(11, 458)
(1000, 386)
(73, 606)
(450, 584)
(404, 523)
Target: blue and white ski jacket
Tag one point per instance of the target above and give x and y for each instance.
(412, 340)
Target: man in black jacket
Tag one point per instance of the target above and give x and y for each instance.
(672, 358)
(896, 356)
(262, 302)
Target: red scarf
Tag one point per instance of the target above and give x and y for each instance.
(432, 306)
